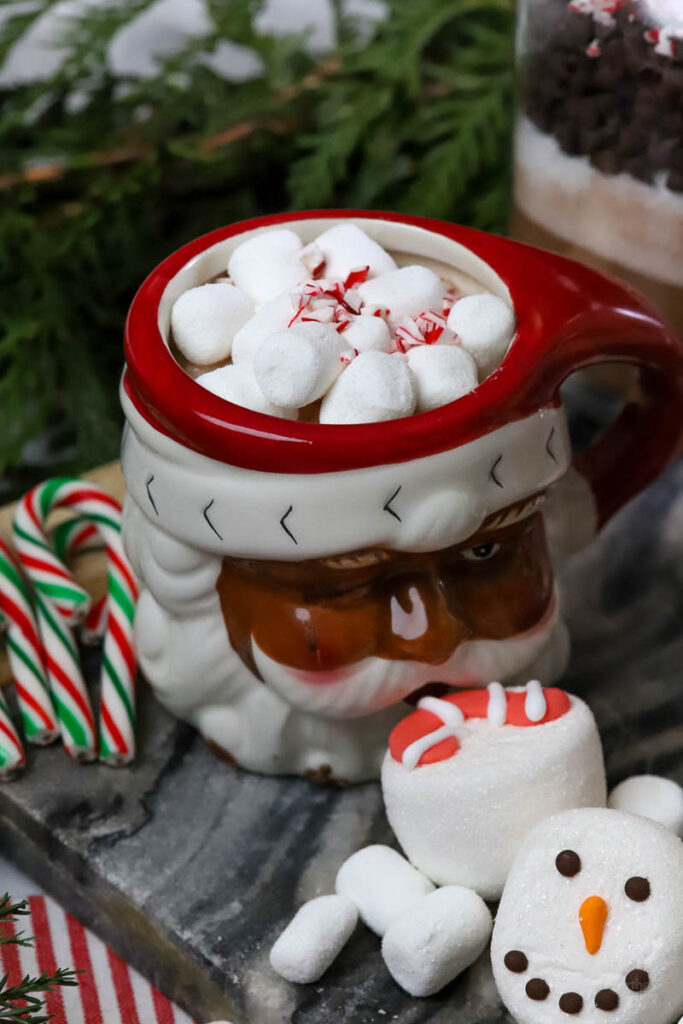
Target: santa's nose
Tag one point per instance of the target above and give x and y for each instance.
(421, 625)
(593, 918)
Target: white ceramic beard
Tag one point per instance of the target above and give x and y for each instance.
(539, 917)
(181, 635)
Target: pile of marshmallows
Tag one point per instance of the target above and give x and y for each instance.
(337, 321)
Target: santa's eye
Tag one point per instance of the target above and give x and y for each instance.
(568, 863)
(637, 889)
(480, 552)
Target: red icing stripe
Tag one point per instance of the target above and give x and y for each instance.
(473, 704)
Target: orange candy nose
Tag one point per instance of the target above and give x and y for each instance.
(592, 918)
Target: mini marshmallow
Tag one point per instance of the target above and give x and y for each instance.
(204, 321)
(237, 384)
(442, 374)
(272, 317)
(297, 366)
(404, 292)
(382, 885)
(652, 797)
(369, 334)
(346, 247)
(376, 386)
(314, 938)
(485, 326)
(440, 937)
(591, 922)
(268, 264)
(502, 778)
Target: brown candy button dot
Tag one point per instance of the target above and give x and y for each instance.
(607, 999)
(637, 889)
(571, 1002)
(568, 863)
(516, 962)
(537, 989)
(637, 980)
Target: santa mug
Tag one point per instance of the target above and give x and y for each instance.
(301, 581)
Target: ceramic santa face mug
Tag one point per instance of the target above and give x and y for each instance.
(300, 581)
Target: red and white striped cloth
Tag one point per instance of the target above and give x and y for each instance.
(109, 991)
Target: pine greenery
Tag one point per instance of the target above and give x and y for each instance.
(23, 1003)
(101, 178)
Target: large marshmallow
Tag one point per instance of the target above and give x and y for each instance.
(376, 386)
(485, 326)
(591, 922)
(205, 320)
(652, 797)
(404, 292)
(237, 384)
(369, 334)
(297, 366)
(382, 885)
(314, 938)
(268, 264)
(269, 319)
(463, 811)
(346, 247)
(442, 373)
(437, 940)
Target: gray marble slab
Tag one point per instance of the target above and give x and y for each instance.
(189, 868)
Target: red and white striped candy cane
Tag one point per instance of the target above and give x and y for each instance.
(75, 536)
(117, 706)
(25, 654)
(12, 756)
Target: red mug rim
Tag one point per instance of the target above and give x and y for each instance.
(173, 403)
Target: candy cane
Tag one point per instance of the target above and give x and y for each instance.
(61, 598)
(12, 756)
(25, 654)
(70, 538)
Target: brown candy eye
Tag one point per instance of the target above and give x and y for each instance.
(516, 961)
(637, 889)
(637, 981)
(568, 863)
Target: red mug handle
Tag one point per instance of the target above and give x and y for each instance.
(571, 317)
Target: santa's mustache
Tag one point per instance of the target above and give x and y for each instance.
(375, 683)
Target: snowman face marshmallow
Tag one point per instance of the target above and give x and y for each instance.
(591, 922)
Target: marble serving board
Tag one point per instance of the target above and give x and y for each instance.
(190, 869)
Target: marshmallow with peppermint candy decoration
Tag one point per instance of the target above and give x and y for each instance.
(405, 292)
(376, 386)
(368, 334)
(442, 373)
(297, 366)
(468, 776)
(484, 326)
(346, 247)
(205, 320)
(268, 264)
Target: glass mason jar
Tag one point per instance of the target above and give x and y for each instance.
(599, 138)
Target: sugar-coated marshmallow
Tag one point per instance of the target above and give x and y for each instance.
(369, 334)
(375, 386)
(484, 325)
(382, 884)
(313, 939)
(297, 366)
(652, 797)
(431, 944)
(591, 922)
(268, 264)
(237, 384)
(204, 321)
(346, 247)
(269, 319)
(442, 373)
(464, 784)
(404, 292)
